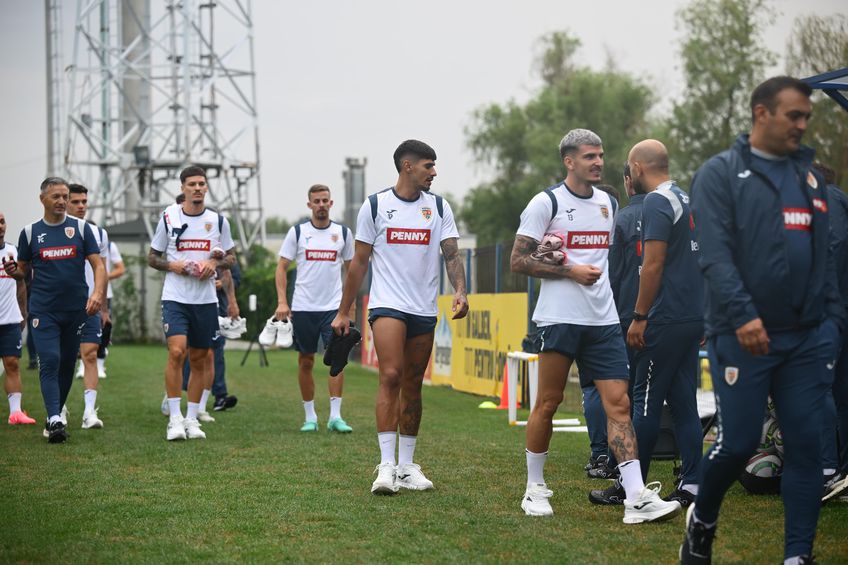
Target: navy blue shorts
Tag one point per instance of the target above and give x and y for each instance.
(10, 340)
(415, 325)
(92, 331)
(598, 350)
(308, 326)
(198, 322)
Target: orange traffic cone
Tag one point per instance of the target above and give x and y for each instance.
(504, 405)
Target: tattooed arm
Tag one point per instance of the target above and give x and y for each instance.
(521, 262)
(157, 260)
(456, 275)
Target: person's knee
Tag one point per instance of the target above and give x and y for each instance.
(390, 377)
(306, 362)
(617, 403)
(88, 354)
(548, 402)
(177, 353)
(11, 364)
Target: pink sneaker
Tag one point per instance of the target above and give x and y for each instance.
(19, 417)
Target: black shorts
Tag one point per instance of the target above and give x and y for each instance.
(415, 325)
(598, 350)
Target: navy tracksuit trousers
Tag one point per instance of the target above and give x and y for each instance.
(795, 373)
(667, 371)
(57, 340)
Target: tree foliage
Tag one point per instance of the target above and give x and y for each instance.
(818, 45)
(724, 58)
(519, 143)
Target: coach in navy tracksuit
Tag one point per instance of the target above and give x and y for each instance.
(773, 310)
(668, 320)
(56, 248)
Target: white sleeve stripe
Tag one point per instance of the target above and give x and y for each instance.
(676, 206)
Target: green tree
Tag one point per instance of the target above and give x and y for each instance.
(257, 277)
(724, 58)
(276, 224)
(519, 143)
(818, 45)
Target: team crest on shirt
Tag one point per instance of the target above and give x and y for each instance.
(604, 211)
(208, 226)
(731, 375)
(334, 238)
(166, 326)
(70, 232)
(811, 180)
(427, 213)
(35, 322)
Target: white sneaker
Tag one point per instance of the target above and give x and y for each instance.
(80, 370)
(284, 334)
(409, 476)
(204, 417)
(385, 481)
(649, 507)
(268, 335)
(535, 501)
(192, 429)
(90, 420)
(166, 408)
(232, 329)
(101, 368)
(175, 430)
(64, 414)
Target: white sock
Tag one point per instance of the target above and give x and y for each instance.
(90, 397)
(792, 560)
(406, 449)
(14, 402)
(535, 467)
(309, 410)
(631, 478)
(175, 410)
(335, 407)
(54, 419)
(101, 365)
(204, 399)
(388, 442)
(192, 410)
(691, 488)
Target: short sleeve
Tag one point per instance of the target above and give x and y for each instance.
(91, 245)
(366, 230)
(24, 250)
(536, 217)
(104, 243)
(347, 250)
(160, 237)
(449, 230)
(227, 242)
(114, 254)
(657, 218)
(288, 250)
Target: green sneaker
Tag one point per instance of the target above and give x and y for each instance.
(309, 427)
(339, 425)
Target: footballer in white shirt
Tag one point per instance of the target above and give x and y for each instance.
(320, 247)
(401, 231)
(12, 313)
(579, 322)
(184, 247)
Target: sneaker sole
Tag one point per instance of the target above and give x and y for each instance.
(95, 426)
(413, 487)
(657, 516)
(384, 490)
(530, 512)
(58, 438)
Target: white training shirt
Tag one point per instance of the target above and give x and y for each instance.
(102, 239)
(406, 238)
(587, 224)
(113, 259)
(198, 235)
(319, 253)
(10, 311)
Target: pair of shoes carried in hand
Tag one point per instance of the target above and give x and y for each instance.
(338, 351)
(276, 332)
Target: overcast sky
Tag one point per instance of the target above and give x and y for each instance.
(353, 79)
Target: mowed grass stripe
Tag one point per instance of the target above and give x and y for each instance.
(258, 490)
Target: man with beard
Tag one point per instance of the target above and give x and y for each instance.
(773, 315)
(320, 247)
(579, 322)
(403, 228)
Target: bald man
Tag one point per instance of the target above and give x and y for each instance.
(667, 321)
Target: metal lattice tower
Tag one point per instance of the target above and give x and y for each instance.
(151, 91)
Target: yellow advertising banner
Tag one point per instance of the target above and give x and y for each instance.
(469, 354)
